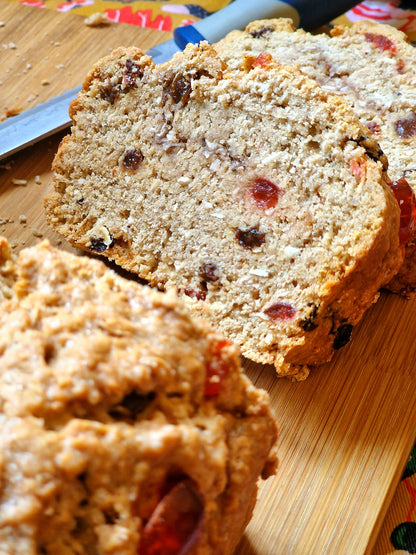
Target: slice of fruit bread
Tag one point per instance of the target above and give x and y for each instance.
(126, 426)
(256, 195)
(372, 66)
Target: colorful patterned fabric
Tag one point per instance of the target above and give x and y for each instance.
(165, 15)
(398, 534)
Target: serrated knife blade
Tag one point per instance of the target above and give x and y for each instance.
(42, 121)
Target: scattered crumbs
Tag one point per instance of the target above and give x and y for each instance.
(31, 98)
(56, 43)
(4, 221)
(96, 19)
(22, 219)
(37, 233)
(28, 66)
(60, 66)
(2, 24)
(38, 180)
(11, 46)
(13, 245)
(17, 181)
(12, 112)
(45, 82)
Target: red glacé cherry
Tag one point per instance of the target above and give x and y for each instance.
(217, 370)
(174, 525)
(407, 204)
(382, 42)
(280, 311)
(264, 193)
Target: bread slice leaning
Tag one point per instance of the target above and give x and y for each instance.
(255, 194)
(373, 67)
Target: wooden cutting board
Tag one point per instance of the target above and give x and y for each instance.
(346, 432)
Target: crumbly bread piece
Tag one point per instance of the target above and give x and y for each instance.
(372, 66)
(7, 270)
(255, 195)
(120, 417)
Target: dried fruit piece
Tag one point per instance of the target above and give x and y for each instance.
(132, 159)
(196, 294)
(343, 335)
(262, 32)
(250, 238)
(100, 245)
(208, 272)
(381, 42)
(175, 524)
(280, 311)
(179, 88)
(407, 204)
(309, 323)
(132, 73)
(373, 151)
(110, 93)
(264, 193)
(217, 370)
(406, 127)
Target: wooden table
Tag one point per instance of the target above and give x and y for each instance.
(345, 432)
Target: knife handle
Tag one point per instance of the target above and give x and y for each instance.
(308, 14)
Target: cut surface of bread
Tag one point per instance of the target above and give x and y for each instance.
(121, 417)
(372, 66)
(256, 195)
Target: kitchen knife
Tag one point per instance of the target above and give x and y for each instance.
(47, 118)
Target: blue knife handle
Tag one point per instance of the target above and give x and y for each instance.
(308, 14)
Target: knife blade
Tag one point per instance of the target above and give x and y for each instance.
(42, 121)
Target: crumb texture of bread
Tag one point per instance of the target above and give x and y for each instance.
(116, 408)
(255, 195)
(369, 64)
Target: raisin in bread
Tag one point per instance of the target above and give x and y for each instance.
(255, 195)
(125, 425)
(371, 65)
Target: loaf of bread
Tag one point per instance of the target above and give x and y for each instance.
(126, 426)
(372, 66)
(256, 195)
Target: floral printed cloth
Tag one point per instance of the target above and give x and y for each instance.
(398, 533)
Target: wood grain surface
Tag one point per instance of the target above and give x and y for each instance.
(345, 432)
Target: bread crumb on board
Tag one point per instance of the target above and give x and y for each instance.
(96, 19)
(17, 181)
